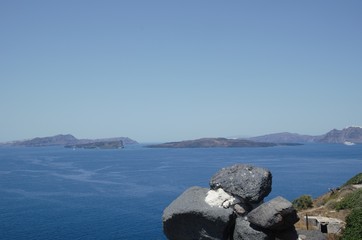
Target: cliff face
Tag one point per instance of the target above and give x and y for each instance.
(350, 134)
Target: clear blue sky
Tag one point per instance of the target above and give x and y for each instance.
(174, 70)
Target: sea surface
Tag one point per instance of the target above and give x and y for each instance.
(57, 193)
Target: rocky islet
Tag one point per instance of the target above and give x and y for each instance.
(233, 208)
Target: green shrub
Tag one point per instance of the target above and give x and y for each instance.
(303, 202)
(351, 200)
(353, 228)
(355, 180)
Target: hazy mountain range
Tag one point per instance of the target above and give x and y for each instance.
(65, 140)
(217, 142)
(349, 134)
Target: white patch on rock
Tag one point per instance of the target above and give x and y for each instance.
(220, 198)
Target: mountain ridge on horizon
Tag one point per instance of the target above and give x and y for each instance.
(64, 140)
(348, 134)
(351, 134)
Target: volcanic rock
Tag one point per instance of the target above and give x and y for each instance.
(191, 217)
(277, 214)
(289, 234)
(247, 182)
(245, 231)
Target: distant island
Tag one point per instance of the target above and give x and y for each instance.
(351, 134)
(100, 145)
(218, 142)
(348, 136)
(70, 141)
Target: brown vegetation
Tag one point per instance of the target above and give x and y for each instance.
(326, 206)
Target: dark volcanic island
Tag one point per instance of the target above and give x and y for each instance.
(100, 145)
(69, 141)
(219, 142)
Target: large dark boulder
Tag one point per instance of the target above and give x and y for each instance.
(289, 234)
(250, 183)
(278, 214)
(190, 217)
(245, 231)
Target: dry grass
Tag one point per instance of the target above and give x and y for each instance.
(325, 206)
(333, 237)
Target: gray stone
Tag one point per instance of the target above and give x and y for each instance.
(244, 231)
(240, 210)
(190, 217)
(312, 235)
(247, 182)
(277, 214)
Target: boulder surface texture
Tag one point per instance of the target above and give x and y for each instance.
(277, 214)
(233, 208)
(244, 231)
(245, 181)
(190, 217)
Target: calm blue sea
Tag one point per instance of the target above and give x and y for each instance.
(57, 193)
